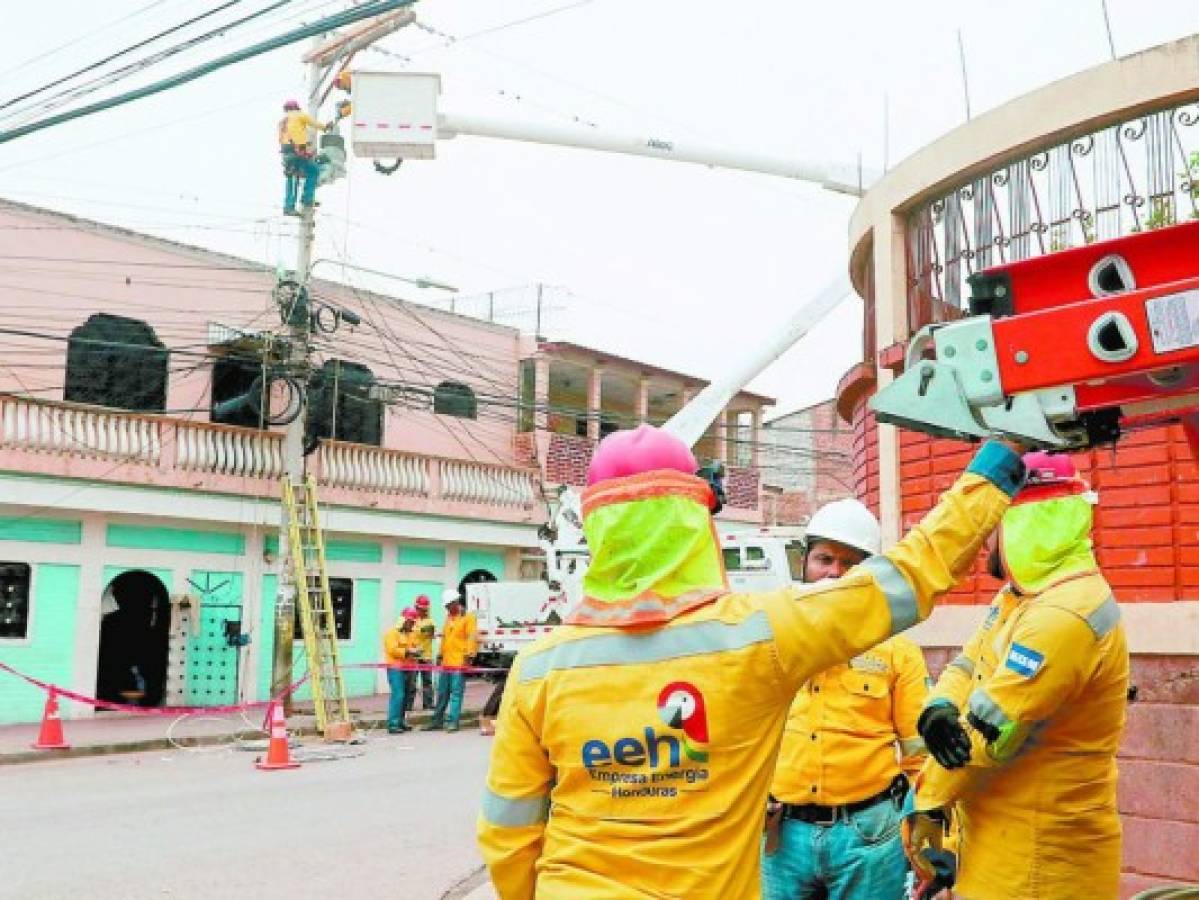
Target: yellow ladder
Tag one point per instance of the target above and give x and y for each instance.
(306, 542)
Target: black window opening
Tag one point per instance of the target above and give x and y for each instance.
(233, 379)
(340, 405)
(341, 592)
(452, 398)
(14, 600)
(116, 362)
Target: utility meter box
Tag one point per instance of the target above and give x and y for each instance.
(394, 115)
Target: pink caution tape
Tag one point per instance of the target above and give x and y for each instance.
(149, 710)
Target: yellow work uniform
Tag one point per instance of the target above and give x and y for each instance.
(845, 725)
(634, 762)
(293, 129)
(399, 646)
(1043, 688)
(425, 629)
(458, 640)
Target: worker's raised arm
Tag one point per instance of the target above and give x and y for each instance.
(828, 623)
(516, 799)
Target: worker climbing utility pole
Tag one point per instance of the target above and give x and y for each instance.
(323, 54)
(293, 441)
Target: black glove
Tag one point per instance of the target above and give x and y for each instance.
(945, 866)
(944, 735)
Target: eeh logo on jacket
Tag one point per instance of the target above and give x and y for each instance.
(681, 706)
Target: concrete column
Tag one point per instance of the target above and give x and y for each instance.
(642, 399)
(541, 392)
(595, 400)
(756, 435)
(891, 324)
(722, 436)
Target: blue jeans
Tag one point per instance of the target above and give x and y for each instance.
(296, 167)
(450, 687)
(856, 859)
(395, 703)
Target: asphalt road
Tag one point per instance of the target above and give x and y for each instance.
(395, 822)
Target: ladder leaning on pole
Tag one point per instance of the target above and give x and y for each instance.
(307, 550)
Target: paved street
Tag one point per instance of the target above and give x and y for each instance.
(397, 821)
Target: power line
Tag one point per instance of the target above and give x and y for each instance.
(119, 54)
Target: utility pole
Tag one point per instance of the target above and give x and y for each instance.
(293, 442)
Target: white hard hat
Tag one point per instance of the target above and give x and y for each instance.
(847, 522)
(449, 595)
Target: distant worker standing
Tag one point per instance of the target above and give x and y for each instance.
(458, 647)
(636, 743)
(834, 816)
(1023, 726)
(422, 679)
(399, 650)
(298, 157)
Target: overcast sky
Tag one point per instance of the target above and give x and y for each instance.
(677, 265)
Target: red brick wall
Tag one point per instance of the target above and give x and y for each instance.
(1146, 524)
(865, 456)
(741, 487)
(812, 463)
(567, 459)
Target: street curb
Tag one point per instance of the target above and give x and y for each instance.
(208, 740)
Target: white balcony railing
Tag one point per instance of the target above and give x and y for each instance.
(373, 469)
(224, 450)
(186, 448)
(79, 431)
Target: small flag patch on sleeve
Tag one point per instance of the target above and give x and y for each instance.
(1024, 660)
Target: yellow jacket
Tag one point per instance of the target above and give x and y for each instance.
(1043, 687)
(425, 629)
(399, 646)
(841, 733)
(458, 640)
(293, 129)
(634, 762)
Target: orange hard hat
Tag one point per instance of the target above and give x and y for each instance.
(343, 80)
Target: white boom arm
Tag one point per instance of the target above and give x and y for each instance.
(690, 422)
(841, 179)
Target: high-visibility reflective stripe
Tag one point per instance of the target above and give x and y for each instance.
(508, 813)
(988, 710)
(965, 663)
(912, 746)
(691, 639)
(1105, 618)
(900, 596)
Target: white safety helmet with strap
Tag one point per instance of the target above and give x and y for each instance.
(847, 522)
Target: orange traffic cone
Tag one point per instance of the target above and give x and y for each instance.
(278, 754)
(50, 736)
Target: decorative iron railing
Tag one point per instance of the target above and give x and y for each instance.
(1136, 175)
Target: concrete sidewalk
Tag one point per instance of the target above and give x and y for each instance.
(112, 732)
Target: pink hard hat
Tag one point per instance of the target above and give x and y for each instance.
(410, 614)
(1050, 475)
(291, 104)
(643, 449)
(422, 602)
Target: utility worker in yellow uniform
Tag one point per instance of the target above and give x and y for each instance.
(458, 647)
(298, 156)
(834, 812)
(1023, 726)
(399, 650)
(636, 743)
(425, 630)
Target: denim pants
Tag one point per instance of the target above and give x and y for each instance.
(296, 167)
(395, 703)
(858, 858)
(422, 683)
(450, 687)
